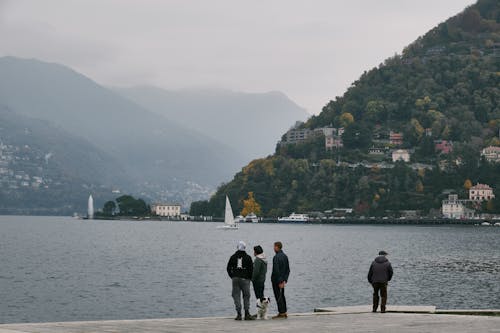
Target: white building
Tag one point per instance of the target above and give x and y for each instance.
(454, 208)
(491, 154)
(481, 192)
(161, 209)
(401, 155)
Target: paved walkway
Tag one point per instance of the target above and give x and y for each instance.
(318, 323)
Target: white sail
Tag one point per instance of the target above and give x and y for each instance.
(90, 208)
(229, 217)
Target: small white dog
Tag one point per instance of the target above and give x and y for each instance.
(262, 307)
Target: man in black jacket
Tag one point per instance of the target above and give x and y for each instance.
(279, 278)
(240, 269)
(379, 275)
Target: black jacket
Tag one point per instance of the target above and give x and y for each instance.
(240, 265)
(281, 269)
(380, 270)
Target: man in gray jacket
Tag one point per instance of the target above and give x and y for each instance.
(379, 275)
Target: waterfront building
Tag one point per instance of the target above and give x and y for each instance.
(454, 208)
(297, 135)
(401, 155)
(491, 154)
(481, 192)
(165, 209)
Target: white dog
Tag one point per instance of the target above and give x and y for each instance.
(262, 307)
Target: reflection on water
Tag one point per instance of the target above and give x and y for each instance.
(57, 269)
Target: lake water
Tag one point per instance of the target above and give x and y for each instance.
(61, 269)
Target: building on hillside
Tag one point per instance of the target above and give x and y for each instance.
(395, 138)
(454, 208)
(333, 137)
(297, 135)
(164, 209)
(481, 192)
(428, 132)
(443, 146)
(376, 151)
(401, 155)
(491, 154)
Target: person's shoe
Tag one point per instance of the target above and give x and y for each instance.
(382, 309)
(238, 317)
(374, 308)
(248, 316)
(280, 316)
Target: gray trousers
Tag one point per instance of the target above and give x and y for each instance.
(241, 286)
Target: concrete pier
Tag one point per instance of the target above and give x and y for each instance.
(345, 319)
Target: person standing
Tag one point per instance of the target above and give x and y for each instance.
(379, 275)
(240, 269)
(259, 273)
(279, 279)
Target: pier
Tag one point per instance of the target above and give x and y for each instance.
(340, 319)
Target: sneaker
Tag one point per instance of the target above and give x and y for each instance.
(238, 317)
(280, 316)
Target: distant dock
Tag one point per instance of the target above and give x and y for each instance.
(344, 319)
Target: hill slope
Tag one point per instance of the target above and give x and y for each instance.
(444, 86)
(226, 116)
(151, 148)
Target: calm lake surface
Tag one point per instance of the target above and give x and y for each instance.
(61, 269)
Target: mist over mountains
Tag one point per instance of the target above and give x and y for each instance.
(247, 122)
(100, 139)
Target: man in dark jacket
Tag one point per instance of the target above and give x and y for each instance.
(240, 269)
(279, 279)
(379, 275)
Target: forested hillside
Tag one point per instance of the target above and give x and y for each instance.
(442, 91)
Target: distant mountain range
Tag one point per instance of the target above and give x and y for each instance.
(96, 138)
(249, 123)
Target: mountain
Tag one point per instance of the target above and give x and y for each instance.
(250, 123)
(45, 170)
(151, 148)
(442, 91)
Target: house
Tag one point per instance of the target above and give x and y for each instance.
(164, 209)
(401, 155)
(376, 151)
(481, 192)
(443, 146)
(491, 154)
(297, 135)
(333, 137)
(454, 208)
(395, 138)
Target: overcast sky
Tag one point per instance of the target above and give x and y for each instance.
(311, 50)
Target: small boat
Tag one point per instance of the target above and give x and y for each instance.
(294, 218)
(251, 218)
(239, 219)
(497, 224)
(485, 223)
(229, 223)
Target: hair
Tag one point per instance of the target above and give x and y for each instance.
(258, 249)
(279, 245)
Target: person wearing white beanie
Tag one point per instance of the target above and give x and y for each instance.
(240, 269)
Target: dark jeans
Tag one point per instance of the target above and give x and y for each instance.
(382, 288)
(241, 286)
(279, 294)
(258, 288)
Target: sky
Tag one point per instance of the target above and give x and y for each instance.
(310, 50)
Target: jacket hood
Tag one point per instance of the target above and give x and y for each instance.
(381, 259)
(262, 256)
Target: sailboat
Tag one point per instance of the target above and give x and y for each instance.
(229, 223)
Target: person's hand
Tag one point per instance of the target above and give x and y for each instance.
(282, 284)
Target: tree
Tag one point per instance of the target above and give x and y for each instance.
(250, 205)
(346, 119)
(129, 206)
(467, 184)
(357, 136)
(109, 208)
